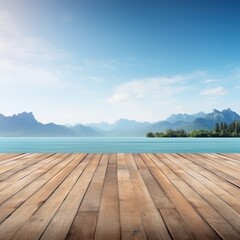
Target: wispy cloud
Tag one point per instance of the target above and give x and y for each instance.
(210, 81)
(15, 43)
(152, 98)
(149, 88)
(26, 59)
(213, 92)
(6, 21)
(119, 96)
(108, 64)
(158, 97)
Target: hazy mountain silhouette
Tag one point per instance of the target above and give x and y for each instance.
(206, 122)
(85, 131)
(121, 128)
(25, 124)
(185, 117)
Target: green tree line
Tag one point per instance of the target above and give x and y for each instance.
(220, 130)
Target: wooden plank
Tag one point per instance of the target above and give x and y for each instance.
(92, 199)
(8, 157)
(34, 160)
(195, 223)
(199, 228)
(139, 162)
(84, 227)
(193, 197)
(71, 192)
(184, 164)
(130, 220)
(224, 229)
(35, 225)
(233, 156)
(85, 221)
(199, 160)
(21, 161)
(158, 196)
(228, 156)
(113, 158)
(175, 224)
(104, 159)
(59, 226)
(226, 163)
(204, 163)
(32, 204)
(216, 202)
(152, 221)
(13, 189)
(108, 224)
(7, 180)
(3, 155)
(20, 197)
(227, 186)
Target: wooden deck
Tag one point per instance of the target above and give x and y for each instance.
(119, 196)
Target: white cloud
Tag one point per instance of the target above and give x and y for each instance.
(216, 91)
(108, 64)
(7, 21)
(15, 74)
(119, 97)
(157, 98)
(149, 88)
(210, 81)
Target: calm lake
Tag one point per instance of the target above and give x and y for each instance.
(123, 145)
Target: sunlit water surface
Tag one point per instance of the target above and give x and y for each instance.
(120, 145)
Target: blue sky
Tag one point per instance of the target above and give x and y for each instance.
(90, 61)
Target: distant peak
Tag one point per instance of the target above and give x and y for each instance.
(124, 120)
(224, 110)
(228, 110)
(25, 114)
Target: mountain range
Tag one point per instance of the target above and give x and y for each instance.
(25, 125)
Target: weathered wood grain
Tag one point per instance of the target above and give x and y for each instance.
(119, 196)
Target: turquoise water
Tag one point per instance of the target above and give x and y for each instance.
(123, 145)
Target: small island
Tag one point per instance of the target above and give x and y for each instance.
(220, 130)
